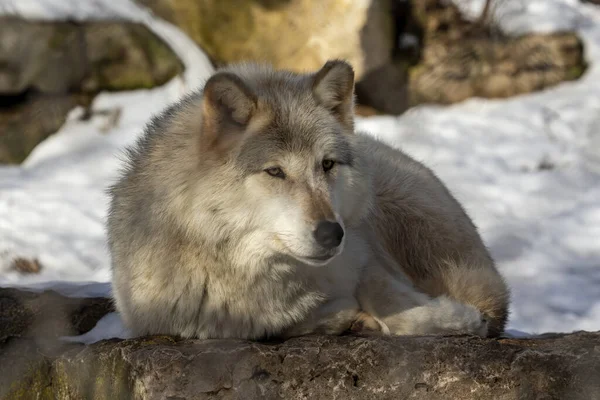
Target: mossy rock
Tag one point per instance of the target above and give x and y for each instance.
(127, 57)
(63, 57)
(47, 68)
(25, 371)
(328, 367)
(299, 35)
(495, 68)
(34, 364)
(25, 125)
(48, 314)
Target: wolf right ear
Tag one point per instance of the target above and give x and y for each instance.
(227, 106)
(333, 87)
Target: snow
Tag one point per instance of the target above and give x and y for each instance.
(52, 207)
(524, 16)
(109, 326)
(527, 169)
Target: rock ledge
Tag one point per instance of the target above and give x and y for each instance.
(33, 365)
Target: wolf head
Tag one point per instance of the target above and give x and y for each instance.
(278, 160)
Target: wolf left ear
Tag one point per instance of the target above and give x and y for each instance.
(227, 108)
(333, 87)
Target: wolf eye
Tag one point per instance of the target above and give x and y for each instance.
(275, 172)
(328, 164)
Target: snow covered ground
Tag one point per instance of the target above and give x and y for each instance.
(52, 206)
(541, 224)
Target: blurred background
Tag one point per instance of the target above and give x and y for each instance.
(501, 98)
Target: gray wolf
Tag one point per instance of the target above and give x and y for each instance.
(252, 209)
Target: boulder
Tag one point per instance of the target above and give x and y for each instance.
(553, 366)
(25, 370)
(126, 56)
(347, 367)
(27, 120)
(405, 53)
(47, 68)
(443, 58)
(300, 35)
(48, 314)
(66, 57)
(460, 59)
(312, 367)
(495, 68)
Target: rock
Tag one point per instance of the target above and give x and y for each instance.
(443, 58)
(322, 367)
(365, 111)
(125, 56)
(461, 59)
(48, 315)
(405, 53)
(554, 366)
(363, 32)
(48, 57)
(385, 89)
(66, 57)
(25, 370)
(30, 325)
(47, 68)
(300, 35)
(495, 68)
(27, 120)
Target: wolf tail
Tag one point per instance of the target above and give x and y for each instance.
(479, 286)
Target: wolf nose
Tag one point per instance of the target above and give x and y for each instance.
(329, 234)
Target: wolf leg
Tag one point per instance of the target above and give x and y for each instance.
(332, 318)
(403, 310)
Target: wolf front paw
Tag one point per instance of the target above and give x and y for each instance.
(439, 316)
(365, 322)
(474, 323)
(451, 317)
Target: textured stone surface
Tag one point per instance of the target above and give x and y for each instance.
(63, 57)
(47, 314)
(25, 370)
(30, 325)
(565, 367)
(300, 35)
(404, 53)
(38, 366)
(450, 73)
(28, 122)
(460, 59)
(443, 58)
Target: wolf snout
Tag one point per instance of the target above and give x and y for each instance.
(328, 234)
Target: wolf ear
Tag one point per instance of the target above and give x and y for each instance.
(227, 107)
(333, 87)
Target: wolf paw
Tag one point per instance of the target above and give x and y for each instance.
(367, 323)
(455, 317)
